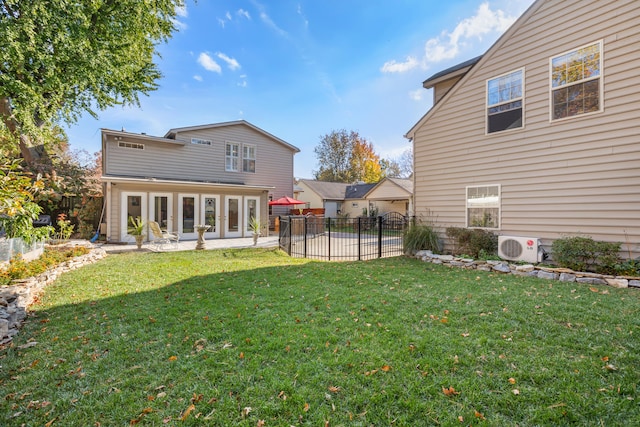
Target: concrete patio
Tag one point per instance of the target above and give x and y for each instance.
(189, 245)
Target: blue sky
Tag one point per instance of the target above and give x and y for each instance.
(300, 69)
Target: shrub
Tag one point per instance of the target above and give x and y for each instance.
(473, 242)
(419, 237)
(582, 253)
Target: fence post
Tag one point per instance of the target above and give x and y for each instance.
(379, 237)
(290, 234)
(329, 236)
(359, 237)
(304, 223)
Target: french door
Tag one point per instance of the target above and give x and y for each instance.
(132, 205)
(251, 210)
(161, 210)
(233, 216)
(188, 215)
(210, 214)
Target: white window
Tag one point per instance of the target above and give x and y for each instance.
(232, 157)
(576, 82)
(504, 102)
(200, 141)
(483, 206)
(131, 145)
(249, 158)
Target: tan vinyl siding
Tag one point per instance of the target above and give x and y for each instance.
(578, 175)
(274, 161)
(310, 196)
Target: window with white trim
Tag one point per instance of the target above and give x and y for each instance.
(232, 156)
(576, 82)
(504, 102)
(483, 206)
(248, 158)
(199, 141)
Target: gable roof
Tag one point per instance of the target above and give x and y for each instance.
(482, 59)
(171, 133)
(404, 184)
(326, 190)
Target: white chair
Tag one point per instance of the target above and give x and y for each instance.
(162, 238)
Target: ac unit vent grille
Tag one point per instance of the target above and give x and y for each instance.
(511, 248)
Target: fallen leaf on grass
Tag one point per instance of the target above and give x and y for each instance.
(512, 380)
(334, 389)
(385, 368)
(479, 415)
(173, 358)
(50, 423)
(187, 412)
(450, 391)
(306, 407)
(515, 391)
(260, 423)
(246, 410)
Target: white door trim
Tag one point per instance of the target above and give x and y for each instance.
(124, 214)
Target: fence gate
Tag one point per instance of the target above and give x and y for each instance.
(311, 236)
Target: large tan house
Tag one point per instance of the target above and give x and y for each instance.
(219, 174)
(540, 137)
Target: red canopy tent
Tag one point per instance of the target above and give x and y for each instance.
(285, 201)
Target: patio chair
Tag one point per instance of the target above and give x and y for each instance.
(162, 238)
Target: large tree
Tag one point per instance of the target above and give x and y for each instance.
(62, 58)
(346, 157)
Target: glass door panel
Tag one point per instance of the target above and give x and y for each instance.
(232, 216)
(210, 212)
(132, 205)
(187, 215)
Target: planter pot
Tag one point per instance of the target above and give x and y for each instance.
(139, 240)
(255, 238)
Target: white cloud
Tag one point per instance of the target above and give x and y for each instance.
(268, 21)
(222, 22)
(399, 67)
(181, 12)
(208, 63)
(242, 12)
(417, 94)
(448, 44)
(228, 16)
(231, 62)
(197, 77)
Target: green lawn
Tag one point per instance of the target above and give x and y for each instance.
(253, 337)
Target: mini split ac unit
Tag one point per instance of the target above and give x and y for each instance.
(515, 248)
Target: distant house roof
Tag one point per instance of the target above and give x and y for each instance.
(450, 72)
(357, 191)
(171, 134)
(326, 190)
(338, 190)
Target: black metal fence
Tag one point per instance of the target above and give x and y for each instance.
(342, 239)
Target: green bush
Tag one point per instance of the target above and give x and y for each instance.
(419, 237)
(473, 242)
(582, 253)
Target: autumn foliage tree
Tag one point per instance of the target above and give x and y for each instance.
(347, 157)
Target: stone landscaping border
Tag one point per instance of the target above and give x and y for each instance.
(530, 270)
(17, 297)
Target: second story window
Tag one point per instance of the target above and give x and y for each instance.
(576, 85)
(199, 141)
(249, 158)
(504, 102)
(232, 157)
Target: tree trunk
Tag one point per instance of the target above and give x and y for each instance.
(24, 142)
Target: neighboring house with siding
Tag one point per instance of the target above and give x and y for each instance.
(354, 200)
(218, 174)
(540, 137)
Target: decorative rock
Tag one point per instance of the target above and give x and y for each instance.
(525, 268)
(483, 267)
(591, 280)
(17, 297)
(634, 283)
(547, 275)
(457, 264)
(421, 254)
(617, 283)
(436, 261)
(502, 268)
(567, 277)
(444, 258)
